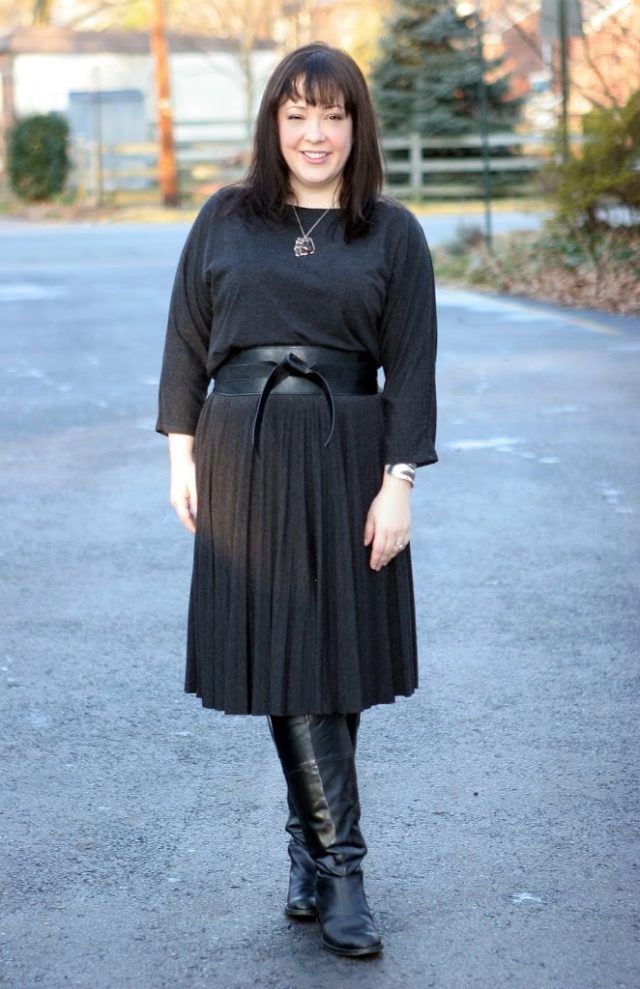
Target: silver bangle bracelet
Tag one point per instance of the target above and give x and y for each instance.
(406, 472)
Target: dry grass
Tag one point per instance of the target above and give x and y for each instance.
(599, 270)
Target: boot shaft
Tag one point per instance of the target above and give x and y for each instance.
(317, 757)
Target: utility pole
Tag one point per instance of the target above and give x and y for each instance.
(563, 29)
(167, 172)
(483, 107)
(560, 21)
(98, 144)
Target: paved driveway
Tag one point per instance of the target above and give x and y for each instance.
(142, 836)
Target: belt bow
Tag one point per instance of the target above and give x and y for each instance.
(291, 364)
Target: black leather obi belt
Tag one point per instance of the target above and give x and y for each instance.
(296, 370)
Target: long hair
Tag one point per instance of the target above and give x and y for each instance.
(322, 76)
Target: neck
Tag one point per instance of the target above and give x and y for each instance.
(313, 205)
(315, 198)
(314, 202)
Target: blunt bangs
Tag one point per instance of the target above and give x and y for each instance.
(318, 81)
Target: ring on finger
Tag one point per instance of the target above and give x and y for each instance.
(398, 544)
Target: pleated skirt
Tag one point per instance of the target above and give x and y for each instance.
(285, 614)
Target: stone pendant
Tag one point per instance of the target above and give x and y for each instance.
(303, 247)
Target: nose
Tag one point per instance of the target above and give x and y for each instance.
(315, 129)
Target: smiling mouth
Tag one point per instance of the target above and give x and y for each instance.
(315, 155)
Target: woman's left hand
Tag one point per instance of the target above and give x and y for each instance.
(388, 521)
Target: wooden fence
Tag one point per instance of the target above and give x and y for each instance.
(446, 168)
(418, 169)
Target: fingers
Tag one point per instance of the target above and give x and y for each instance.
(184, 491)
(386, 546)
(185, 506)
(388, 523)
(369, 530)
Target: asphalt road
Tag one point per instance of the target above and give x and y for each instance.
(142, 836)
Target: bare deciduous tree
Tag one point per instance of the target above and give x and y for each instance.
(607, 51)
(243, 25)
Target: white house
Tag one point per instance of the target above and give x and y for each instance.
(50, 68)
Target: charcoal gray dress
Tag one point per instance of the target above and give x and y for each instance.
(285, 614)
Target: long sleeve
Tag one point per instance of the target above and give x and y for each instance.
(184, 379)
(408, 340)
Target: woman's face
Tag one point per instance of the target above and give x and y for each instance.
(315, 142)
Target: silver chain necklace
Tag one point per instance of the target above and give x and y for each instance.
(304, 245)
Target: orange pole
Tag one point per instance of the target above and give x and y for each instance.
(167, 172)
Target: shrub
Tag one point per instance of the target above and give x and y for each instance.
(608, 168)
(587, 267)
(38, 156)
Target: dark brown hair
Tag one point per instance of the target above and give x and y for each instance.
(322, 76)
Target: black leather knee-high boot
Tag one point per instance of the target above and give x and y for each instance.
(301, 897)
(316, 752)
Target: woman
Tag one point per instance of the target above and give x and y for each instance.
(292, 290)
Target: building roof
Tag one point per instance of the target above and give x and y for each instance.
(57, 40)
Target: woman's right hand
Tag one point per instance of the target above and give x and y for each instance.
(184, 497)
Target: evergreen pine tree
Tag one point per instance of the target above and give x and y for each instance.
(426, 79)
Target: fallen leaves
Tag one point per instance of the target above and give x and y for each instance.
(595, 270)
